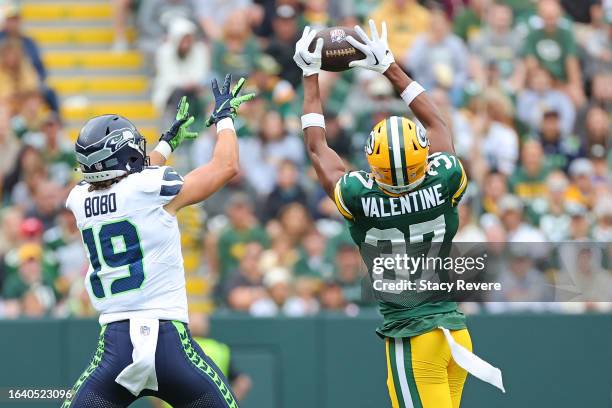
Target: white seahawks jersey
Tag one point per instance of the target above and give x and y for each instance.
(134, 246)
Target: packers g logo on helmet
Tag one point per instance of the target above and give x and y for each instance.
(421, 136)
(369, 147)
(397, 151)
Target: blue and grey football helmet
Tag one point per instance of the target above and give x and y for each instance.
(110, 146)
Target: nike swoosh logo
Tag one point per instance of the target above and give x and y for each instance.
(376, 59)
(305, 62)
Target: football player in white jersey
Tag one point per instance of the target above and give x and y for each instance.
(126, 211)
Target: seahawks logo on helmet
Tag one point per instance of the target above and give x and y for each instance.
(369, 146)
(110, 146)
(114, 141)
(422, 136)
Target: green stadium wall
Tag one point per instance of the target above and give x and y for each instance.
(334, 361)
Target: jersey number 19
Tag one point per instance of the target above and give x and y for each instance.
(119, 245)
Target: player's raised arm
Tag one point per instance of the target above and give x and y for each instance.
(326, 162)
(380, 59)
(210, 177)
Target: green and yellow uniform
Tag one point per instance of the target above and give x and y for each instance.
(385, 225)
(421, 371)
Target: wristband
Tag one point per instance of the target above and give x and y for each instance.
(225, 124)
(163, 148)
(412, 91)
(313, 119)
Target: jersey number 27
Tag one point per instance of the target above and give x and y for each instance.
(119, 245)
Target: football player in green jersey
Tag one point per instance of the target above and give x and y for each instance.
(408, 197)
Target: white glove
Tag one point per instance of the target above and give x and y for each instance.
(378, 55)
(310, 62)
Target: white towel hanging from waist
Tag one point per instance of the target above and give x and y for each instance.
(472, 363)
(141, 373)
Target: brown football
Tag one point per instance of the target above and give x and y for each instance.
(337, 52)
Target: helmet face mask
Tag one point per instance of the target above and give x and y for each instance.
(397, 151)
(110, 146)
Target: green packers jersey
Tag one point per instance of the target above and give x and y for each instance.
(421, 222)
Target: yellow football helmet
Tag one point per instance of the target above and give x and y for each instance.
(397, 151)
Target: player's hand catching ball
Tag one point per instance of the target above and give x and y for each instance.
(226, 102)
(309, 62)
(179, 131)
(378, 55)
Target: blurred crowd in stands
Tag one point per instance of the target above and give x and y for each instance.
(525, 86)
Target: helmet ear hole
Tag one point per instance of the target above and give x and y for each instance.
(107, 130)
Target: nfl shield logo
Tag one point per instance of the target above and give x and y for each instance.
(145, 330)
(337, 35)
(98, 166)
